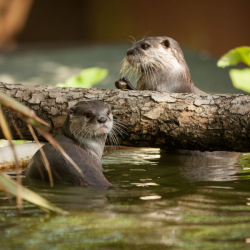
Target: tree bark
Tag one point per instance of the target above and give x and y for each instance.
(153, 119)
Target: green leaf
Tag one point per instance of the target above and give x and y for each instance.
(10, 185)
(86, 79)
(235, 56)
(241, 78)
(18, 142)
(93, 75)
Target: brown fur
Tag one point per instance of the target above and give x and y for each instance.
(161, 66)
(83, 139)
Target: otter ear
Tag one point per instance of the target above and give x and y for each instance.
(71, 110)
(166, 43)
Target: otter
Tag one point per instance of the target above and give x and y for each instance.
(161, 66)
(83, 137)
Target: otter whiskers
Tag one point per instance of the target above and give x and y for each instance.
(118, 129)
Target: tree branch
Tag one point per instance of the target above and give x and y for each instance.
(153, 119)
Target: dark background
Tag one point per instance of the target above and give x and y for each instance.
(214, 26)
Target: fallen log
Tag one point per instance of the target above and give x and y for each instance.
(153, 119)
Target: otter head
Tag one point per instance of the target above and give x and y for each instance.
(157, 54)
(88, 121)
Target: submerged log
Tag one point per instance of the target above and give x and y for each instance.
(153, 119)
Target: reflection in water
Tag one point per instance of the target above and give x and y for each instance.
(145, 184)
(209, 167)
(150, 197)
(162, 200)
(133, 156)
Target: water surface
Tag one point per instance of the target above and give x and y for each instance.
(162, 201)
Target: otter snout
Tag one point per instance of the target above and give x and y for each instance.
(102, 120)
(130, 52)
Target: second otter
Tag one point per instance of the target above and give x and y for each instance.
(82, 137)
(161, 66)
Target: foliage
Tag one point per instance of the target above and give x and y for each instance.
(11, 186)
(18, 142)
(239, 77)
(235, 56)
(24, 111)
(86, 79)
(6, 183)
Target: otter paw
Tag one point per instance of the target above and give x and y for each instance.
(120, 84)
(129, 85)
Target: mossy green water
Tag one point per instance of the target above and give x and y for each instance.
(177, 202)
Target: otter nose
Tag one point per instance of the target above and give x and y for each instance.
(130, 52)
(102, 119)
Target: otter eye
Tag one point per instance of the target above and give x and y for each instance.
(108, 112)
(145, 46)
(88, 115)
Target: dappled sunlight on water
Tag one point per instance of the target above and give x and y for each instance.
(161, 200)
(132, 156)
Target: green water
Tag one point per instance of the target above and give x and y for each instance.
(162, 201)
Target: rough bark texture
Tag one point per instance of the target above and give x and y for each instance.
(155, 119)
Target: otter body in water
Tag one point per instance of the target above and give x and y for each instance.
(83, 137)
(161, 66)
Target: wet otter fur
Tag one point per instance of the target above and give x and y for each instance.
(83, 137)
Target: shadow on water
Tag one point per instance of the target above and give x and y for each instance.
(161, 199)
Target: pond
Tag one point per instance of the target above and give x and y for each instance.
(163, 200)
